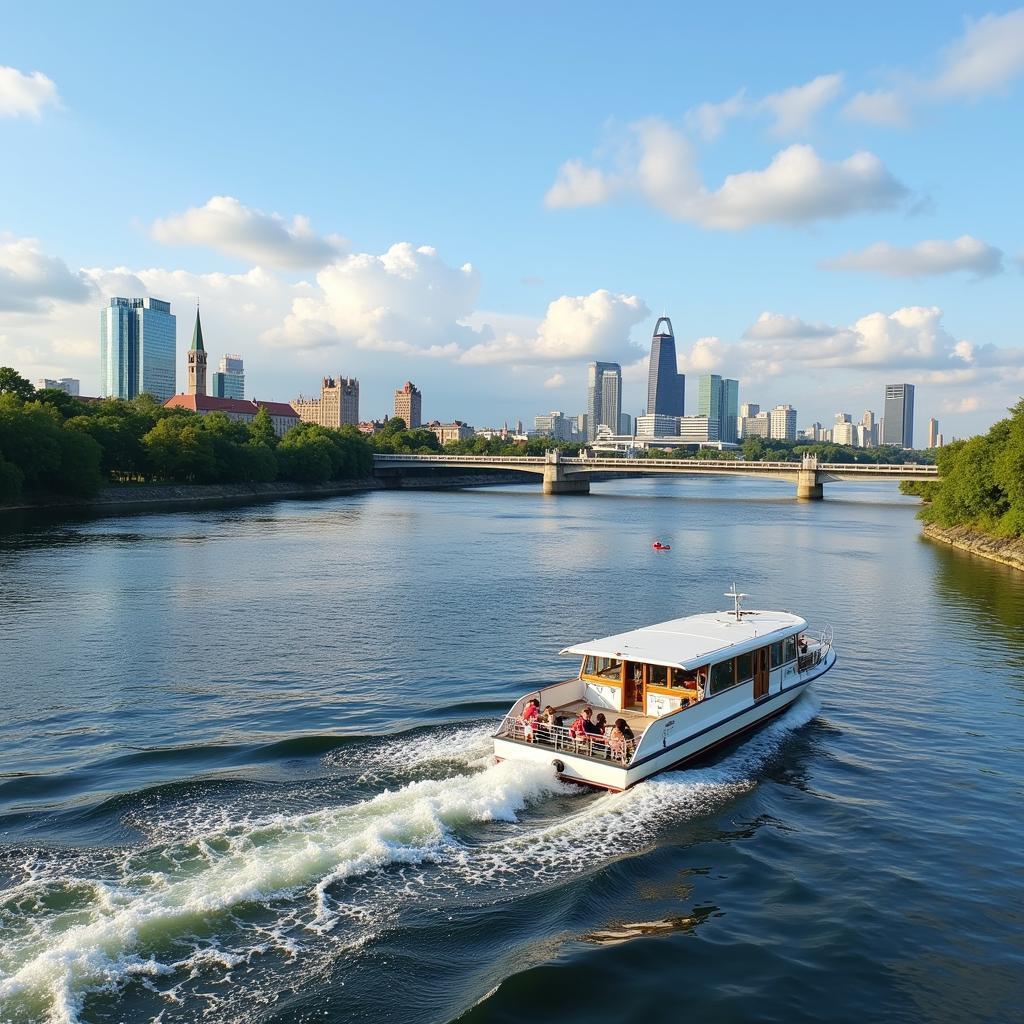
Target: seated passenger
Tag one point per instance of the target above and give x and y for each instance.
(549, 720)
(617, 742)
(623, 726)
(530, 715)
(601, 722)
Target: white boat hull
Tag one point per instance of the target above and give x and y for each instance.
(672, 741)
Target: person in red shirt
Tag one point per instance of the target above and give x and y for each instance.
(530, 714)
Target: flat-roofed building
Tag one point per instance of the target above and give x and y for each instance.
(655, 424)
(783, 423)
(454, 431)
(69, 385)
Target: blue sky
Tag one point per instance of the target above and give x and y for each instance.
(487, 198)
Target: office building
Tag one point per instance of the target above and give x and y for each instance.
(783, 423)
(555, 425)
(898, 419)
(665, 386)
(697, 429)
(656, 425)
(933, 433)
(229, 378)
(718, 398)
(869, 430)
(409, 405)
(756, 425)
(137, 349)
(625, 423)
(197, 360)
(282, 415)
(69, 385)
(604, 397)
(843, 430)
(337, 405)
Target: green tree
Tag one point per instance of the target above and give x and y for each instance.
(12, 383)
(261, 429)
(179, 449)
(11, 480)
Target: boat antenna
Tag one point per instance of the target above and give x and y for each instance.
(737, 598)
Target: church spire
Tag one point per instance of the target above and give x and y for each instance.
(197, 334)
(197, 360)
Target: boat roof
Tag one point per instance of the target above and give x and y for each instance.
(695, 640)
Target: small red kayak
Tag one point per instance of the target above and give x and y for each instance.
(658, 546)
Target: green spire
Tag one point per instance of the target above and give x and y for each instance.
(197, 335)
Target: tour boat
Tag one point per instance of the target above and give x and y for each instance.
(682, 687)
(658, 546)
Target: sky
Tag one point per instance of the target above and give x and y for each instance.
(484, 198)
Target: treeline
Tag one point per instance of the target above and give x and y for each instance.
(395, 439)
(981, 481)
(51, 443)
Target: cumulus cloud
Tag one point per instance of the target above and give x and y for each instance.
(229, 226)
(709, 119)
(31, 281)
(985, 59)
(556, 380)
(575, 327)
(795, 108)
(579, 185)
(797, 187)
(934, 256)
(882, 107)
(22, 94)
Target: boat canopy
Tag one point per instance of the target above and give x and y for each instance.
(696, 640)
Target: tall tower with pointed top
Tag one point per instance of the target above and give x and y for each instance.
(197, 361)
(665, 386)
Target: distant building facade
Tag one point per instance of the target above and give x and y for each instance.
(229, 378)
(604, 397)
(698, 429)
(718, 398)
(898, 418)
(337, 405)
(282, 415)
(454, 431)
(555, 425)
(409, 405)
(666, 388)
(933, 433)
(137, 349)
(756, 424)
(783, 423)
(657, 425)
(69, 385)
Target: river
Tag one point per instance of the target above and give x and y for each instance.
(244, 767)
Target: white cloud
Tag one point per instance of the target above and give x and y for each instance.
(25, 94)
(30, 281)
(709, 119)
(776, 325)
(883, 107)
(985, 59)
(578, 185)
(556, 380)
(231, 227)
(797, 187)
(795, 108)
(968, 403)
(934, 256)
(576, 327)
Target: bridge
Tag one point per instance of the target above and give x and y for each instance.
(571, 475)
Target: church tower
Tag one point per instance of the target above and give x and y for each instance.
(197, 361)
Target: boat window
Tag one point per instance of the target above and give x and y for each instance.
(609, 669)
(745, 666)
(789, 648)
(657, 675)
(777, 654)
(722, 677)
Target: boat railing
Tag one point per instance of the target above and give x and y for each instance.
(559, 737)
(813, 651)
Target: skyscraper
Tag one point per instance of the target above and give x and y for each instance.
(783, 423)
(604, 397)
(665, 387)
(197, 360)
(898, 417)
(137, 349)
(718, 398)
(933, 433)
(409, 405)
(337, 405)
(229, 379)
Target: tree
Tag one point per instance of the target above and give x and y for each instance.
(11, 479)
(12, 383)
(261, 429)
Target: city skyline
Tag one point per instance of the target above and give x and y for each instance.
(885, 264)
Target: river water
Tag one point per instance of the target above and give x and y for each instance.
(244, 768)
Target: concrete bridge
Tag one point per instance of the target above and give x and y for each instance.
(568, 475)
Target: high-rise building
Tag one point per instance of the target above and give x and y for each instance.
(604, 397)
(898, 420)
(868, 430)
(337, 405)
(783, 423)
(137, 349)
(757, 425)
(933, 433)
(69, 385)
(657, 425)
(718, 398)
(409, 405)
(843, 430)
(554, 425)
(625, 424)
(197, 360)
(665, 386)
(229, 379)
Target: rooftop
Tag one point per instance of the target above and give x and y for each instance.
(694, 640)
(244, 406)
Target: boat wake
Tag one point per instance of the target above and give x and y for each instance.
(206, 903)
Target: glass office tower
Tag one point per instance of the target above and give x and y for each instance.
(229, 380)
(898, 418)
(137, 349)
(719, 399)
(604, 397)
(665, 386)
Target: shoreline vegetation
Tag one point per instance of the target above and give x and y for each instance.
(978, 502)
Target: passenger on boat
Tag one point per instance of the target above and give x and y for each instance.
(584, 729)
(530, 715)
(620, 742)
(549, 721)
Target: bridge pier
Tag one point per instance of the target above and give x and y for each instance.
(557, 481)
(808, 485)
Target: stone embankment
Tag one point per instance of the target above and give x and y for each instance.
(1006, 550)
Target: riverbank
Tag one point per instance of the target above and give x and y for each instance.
(1005, 550)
